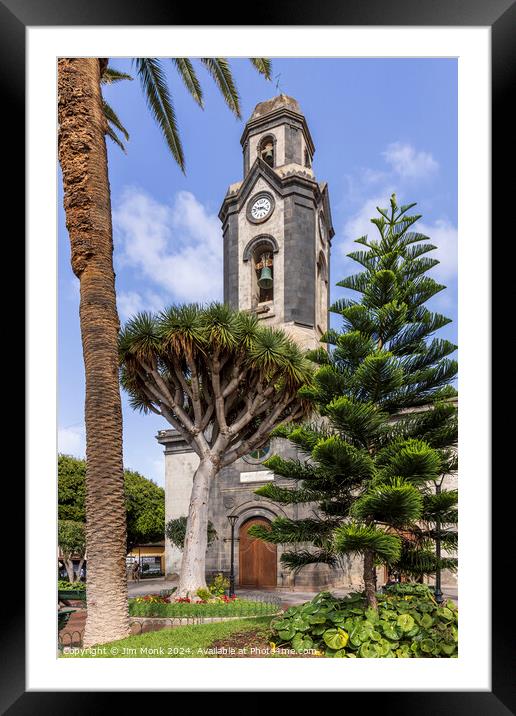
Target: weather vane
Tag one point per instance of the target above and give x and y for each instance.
(278, 86)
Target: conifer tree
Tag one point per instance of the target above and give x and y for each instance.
(388, 421)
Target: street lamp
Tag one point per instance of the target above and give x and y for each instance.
(438, 591)
(232, 519)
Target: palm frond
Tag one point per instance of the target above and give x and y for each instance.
(110, 75)
(263, 65)
(113, 119)
(159, 101)
(114, 137)
(187, 73)
(219, 69)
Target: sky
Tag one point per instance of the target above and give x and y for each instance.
(379, 126)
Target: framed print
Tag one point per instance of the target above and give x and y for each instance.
(176, 281)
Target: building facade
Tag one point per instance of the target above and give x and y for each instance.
(276, 232)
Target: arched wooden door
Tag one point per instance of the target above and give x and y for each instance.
(257, 559)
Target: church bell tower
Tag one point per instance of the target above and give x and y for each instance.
(277, 226)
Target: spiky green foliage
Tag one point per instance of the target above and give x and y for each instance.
(151, 72)
(389, 417)
(357, 538)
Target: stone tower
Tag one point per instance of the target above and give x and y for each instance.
(279, 218)
(276, 225)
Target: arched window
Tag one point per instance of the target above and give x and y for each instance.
(260, 253)
(264, 268)
(266, 150)
(308, 161)
(322, 268)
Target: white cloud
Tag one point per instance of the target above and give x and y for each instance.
(131, 302)
(71, 440)
(408, 163)
(360, 223)
(177, 247)
(442, 234)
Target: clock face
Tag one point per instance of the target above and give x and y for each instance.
(261, 208)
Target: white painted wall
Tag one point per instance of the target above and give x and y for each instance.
(179, 472)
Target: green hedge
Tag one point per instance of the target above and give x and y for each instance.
(404, 626)
(240, 607)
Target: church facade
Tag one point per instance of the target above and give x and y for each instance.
(277, 231)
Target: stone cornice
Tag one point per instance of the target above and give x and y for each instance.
(282, 184)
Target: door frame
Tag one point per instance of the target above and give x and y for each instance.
(242, 524)
(245, 512)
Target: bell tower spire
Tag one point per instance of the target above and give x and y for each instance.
(277, 225)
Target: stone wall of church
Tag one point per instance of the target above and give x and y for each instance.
(233, 493)
(179, 471)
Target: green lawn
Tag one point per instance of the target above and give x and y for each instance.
(179, 642)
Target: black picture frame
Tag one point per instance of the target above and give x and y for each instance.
(500, 16)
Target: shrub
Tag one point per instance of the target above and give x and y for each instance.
(64, 586)
(404, 626)
(203, 594)
(152, 599)
(219, 585)
(175, 530)
(409, 588)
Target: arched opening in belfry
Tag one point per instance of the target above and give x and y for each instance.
(264, 270)
(266, 150)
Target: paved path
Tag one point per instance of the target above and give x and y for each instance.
(288, 598)
(149, 586)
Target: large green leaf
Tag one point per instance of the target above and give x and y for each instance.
(370, 650)
(405, 622)
(301, 643)
(336, 638)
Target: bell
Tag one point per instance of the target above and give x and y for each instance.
(265, 280)
(268, 155)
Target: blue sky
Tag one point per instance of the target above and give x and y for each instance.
(379, 125)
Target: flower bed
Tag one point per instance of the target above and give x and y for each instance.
(155, 605)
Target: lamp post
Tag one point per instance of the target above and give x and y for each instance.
(438, 591)
(232, 519)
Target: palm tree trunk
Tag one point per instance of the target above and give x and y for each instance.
(193, 564)
(369, 579)
(83, 159)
